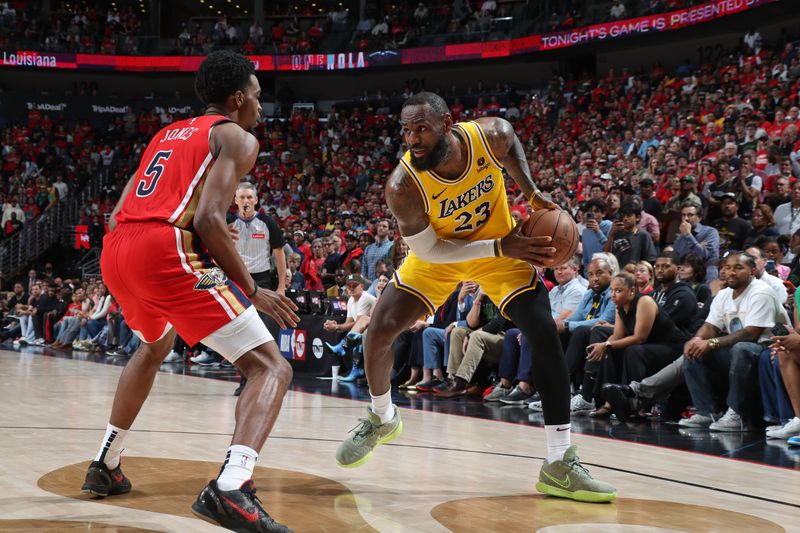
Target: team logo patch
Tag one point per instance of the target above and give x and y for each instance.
(213, 278)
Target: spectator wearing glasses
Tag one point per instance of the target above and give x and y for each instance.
(694, 237)
(674, 206)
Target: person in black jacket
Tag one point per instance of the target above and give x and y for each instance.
(46, 303)
(692, 271)
(675, 297)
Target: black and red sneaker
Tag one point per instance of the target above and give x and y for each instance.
(237, 510)
(101, 481)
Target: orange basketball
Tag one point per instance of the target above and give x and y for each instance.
(558, 225)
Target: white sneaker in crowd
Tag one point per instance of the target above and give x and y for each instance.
(730, 421)
(790, 429)
(174, 357)
(579, 406)
(204, 359)
(696, 421)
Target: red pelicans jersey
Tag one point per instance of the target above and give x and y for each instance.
(170, 177)
(154, 263)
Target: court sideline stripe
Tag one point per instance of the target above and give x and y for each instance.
(440, 448)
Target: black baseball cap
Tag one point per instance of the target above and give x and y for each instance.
(356, 278)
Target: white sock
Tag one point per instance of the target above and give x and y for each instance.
(111, 447)
(382, 406)
(238, 467)
(557, 441)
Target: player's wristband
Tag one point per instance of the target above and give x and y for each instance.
(498, 248)
(255, 290)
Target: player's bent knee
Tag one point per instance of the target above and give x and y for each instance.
(266, 360)
(384, 330)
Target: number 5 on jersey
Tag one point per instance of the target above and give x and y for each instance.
(148, 183)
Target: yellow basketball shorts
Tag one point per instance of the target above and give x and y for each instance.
(501, 278)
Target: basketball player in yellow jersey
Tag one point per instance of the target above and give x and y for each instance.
(449, 199)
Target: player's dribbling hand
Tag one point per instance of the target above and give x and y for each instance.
(234, 233)
(534, 250)
(280, 308)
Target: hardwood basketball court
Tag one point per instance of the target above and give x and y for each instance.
(445, 473)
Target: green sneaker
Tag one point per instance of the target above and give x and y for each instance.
(357, 448)
(567, 478)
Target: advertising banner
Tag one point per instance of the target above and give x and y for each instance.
(662, 22)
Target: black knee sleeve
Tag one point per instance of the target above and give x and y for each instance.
(530, 312)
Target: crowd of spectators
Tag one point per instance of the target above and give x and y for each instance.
(108, 28)
(670, 175)
(71, 27)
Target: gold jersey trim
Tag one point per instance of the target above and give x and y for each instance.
(485, 142)
(418, 183)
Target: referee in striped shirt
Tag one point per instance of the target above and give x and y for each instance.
(260, 242)
(260, 245)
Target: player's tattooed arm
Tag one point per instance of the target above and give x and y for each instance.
(508, 150)
(405, 202)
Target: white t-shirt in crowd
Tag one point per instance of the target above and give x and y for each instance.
(757, 306)
(363, 306)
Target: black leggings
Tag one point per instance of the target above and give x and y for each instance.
(530, 312)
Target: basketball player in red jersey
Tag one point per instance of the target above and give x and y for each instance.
(172, 265)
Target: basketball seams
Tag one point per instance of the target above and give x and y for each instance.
(564, 235)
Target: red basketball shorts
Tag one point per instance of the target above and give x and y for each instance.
(162, 276)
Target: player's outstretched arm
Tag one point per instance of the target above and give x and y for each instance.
(405, 202)
(506, 148)
(235, 153)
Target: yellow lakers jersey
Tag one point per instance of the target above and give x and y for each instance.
(472, 206)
